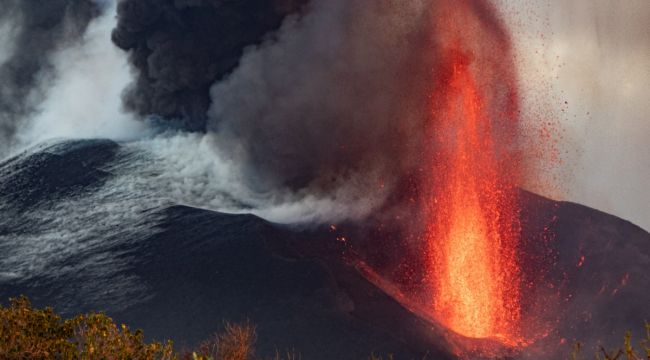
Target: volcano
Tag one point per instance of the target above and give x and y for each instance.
(350, 177)
(178, 272)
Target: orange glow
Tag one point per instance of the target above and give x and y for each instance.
(473, 231)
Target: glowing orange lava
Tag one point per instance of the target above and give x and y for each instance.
(473, 231)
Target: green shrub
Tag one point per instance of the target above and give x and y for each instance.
(28, 333)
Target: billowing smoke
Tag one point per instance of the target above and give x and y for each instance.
(334, 101)
(32, 31)
(181, 47)
(336, 104)
(310, 101)
(315, 104)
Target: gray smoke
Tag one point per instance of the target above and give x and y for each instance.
(337, 103)
(32, 31)
(332, 104)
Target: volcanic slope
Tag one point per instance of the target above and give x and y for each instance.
(71, 239)
(81, 231)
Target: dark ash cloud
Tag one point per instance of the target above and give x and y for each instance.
(179, 48)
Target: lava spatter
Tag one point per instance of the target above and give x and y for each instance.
(472, 231)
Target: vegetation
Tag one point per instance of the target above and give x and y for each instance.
(627, 352)
(236, 342)
(29, 333)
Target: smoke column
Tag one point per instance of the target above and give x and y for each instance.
(179, 48)
(330, 107)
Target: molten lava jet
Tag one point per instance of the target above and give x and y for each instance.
(472, 230)
(472, 243)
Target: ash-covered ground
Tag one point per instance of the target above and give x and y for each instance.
(85, 227)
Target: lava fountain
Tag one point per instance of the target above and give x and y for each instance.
(472, 231)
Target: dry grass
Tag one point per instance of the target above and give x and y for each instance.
(236, 342)
(627, 352)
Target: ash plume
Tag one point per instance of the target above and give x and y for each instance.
(33, 31)
(179, 48)
(336, 104)
(316, 105)
(331, 106)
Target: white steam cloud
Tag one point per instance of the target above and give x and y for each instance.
(83, 96)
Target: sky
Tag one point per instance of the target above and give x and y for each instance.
(586, 63)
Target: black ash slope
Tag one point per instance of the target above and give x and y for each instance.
(75, 236)
(180, 272)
